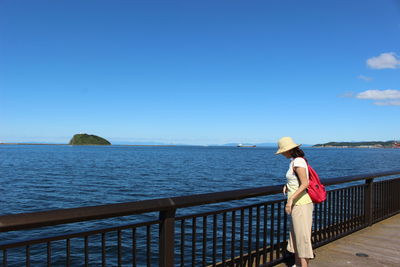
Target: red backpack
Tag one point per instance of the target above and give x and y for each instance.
(316, 190)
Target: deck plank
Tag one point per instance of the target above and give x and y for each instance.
(381, 242)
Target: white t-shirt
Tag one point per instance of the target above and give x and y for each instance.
(293, 182)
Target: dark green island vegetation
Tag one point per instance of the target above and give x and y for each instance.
(87, 139)
(366, 144)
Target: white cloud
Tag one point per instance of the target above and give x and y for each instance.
(379, 94)
(388, 103)
(384, 61)
(365, 78)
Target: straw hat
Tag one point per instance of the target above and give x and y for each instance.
(286, 144)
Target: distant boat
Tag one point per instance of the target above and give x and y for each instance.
(241, 145)
(396, 144)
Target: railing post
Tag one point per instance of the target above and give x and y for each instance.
(167, 238)
(369, 201)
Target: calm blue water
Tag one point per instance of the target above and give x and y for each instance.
(35, 178)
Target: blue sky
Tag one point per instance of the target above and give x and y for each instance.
(200, 72)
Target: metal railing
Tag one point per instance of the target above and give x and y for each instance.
(243, 235)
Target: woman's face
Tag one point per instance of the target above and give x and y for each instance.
(287, 154)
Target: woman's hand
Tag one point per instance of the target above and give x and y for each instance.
(288, 207)
(284, 190)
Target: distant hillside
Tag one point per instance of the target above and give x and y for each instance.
(129, 143)
(358, 144)
(260, 144)
(250, 144)
(87, 139)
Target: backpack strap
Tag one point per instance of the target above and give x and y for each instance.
(294, 171)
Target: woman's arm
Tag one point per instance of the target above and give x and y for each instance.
(302, 175)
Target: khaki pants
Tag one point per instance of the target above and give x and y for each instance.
(300, 234)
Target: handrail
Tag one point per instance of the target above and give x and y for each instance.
(31, 220)
(354, 178)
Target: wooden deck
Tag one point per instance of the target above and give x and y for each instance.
(381, 242)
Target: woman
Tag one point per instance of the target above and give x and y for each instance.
(299, 204)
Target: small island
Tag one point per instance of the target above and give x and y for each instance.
(87, 139)
(369, 144)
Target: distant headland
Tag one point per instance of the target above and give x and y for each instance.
(87, 139)
(367, 144)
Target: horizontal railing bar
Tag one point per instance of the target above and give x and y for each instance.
(341, 188)
(54, 217)
(354, 178)
(208, 213)
(14, 244)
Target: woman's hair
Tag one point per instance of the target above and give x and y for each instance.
(296, 152)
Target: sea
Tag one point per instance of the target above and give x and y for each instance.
(47, 177)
